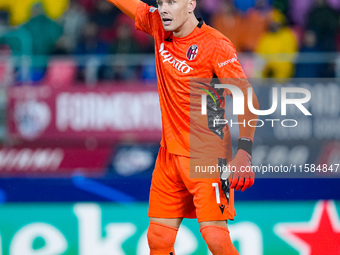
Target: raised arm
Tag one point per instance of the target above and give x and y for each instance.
(129, 7)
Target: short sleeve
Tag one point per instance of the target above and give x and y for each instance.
(147, 18)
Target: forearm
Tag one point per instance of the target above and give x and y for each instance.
(242, 176)
(129, 7)
(246, 130)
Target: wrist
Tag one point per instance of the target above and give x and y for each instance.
(245, 144)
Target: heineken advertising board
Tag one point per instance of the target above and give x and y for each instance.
(279, 228)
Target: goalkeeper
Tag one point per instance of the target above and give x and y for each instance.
(185, 48)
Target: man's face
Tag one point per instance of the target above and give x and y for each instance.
(174, 13)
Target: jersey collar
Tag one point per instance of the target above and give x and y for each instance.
(200, 22)
(192, 35)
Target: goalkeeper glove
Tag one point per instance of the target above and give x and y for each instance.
(240, 175)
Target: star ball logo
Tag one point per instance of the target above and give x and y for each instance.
(239, 103)
(319, 235)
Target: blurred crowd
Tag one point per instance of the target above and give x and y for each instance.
(276, 30)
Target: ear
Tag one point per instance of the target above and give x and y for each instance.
(191, 6)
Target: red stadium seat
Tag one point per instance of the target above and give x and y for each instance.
(6, 67)
(61, 73)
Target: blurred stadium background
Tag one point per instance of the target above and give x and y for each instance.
(80, 127)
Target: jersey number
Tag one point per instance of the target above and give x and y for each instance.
(217, 190)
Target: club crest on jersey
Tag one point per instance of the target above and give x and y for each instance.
(192, 52)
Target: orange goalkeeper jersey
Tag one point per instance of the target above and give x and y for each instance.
(204, 53)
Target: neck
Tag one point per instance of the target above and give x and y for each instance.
(187, 27)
